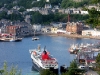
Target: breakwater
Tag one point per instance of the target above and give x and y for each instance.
(72, 35)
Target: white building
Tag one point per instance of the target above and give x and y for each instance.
(84, 12)
(0, 30)
(61, 31)
(47, 0)
(37, 27)
(91, 33)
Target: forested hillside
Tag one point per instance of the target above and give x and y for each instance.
(41, 3)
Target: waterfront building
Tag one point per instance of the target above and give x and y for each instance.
(86, 57)
(25, 31)
(61, 31)
(91, 33)
(11, 29)
(59, 25)
(73, 27)
(54, 29)
(37, 27)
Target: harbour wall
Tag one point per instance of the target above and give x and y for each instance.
(72, 35)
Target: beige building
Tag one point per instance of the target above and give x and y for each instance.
(54, 29)
(74, 27)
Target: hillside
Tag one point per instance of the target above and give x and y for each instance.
(74, 3)
(41, 3)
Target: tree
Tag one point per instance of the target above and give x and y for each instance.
(72, 3)
(36, 18)
(94, 15)
(95, 1)
(98, 63)
(46, 72)
(22, 9)
(73, 69)
(73, 64)
(3, 15)
(98, 60)
(12, 71)
(15, 17)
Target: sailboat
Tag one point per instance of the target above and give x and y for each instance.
(34, 37)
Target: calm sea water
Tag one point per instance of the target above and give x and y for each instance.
(17, 53)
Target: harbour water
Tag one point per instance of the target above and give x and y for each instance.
(17, 53)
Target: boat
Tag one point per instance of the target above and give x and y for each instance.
(34, 37)
(15, 39)
(42, 60)
(8, 38)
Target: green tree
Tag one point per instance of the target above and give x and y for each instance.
(40, 3)
(73, 64)
(25, 3)
(3, 15)
(12, 71)
(95, 1)
(72, 3)
(94, 15)
(36, 18)
(46, 72)
(15, 17)
(98, 63)
(22, 9)
(73, 69)
(98, 60)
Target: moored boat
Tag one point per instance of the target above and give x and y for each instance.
(16, 39)
(42, 59)
(35, 38)
(9, 37)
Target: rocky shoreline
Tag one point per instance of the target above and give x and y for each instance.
(72, 35)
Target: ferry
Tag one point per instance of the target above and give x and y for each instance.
(42, 60)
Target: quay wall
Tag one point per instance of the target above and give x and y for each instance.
(72, 35)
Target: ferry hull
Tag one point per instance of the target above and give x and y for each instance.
(35, 67)
(38, 68)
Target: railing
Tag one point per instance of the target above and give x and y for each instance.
(49, 61)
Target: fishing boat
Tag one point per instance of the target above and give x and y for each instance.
(42, 59)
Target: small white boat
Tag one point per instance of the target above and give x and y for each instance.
(35, 38)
